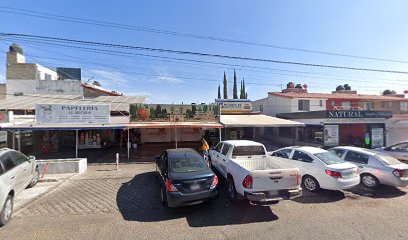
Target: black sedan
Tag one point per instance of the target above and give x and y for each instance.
(185, 178)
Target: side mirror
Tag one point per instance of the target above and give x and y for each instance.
(157, 157)
(31, 158)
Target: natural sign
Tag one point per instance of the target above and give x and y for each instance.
(66, 113)
(173, 113)
(358, 114)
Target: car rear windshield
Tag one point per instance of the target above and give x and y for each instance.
(387, 160)
(187, 164)
(248, 151)
(329, 158)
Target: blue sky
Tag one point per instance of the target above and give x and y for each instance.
(364, 28)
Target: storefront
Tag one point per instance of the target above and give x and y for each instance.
(331, 128)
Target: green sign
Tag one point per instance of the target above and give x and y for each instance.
(367, 138)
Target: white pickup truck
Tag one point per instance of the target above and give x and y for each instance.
(254, 175)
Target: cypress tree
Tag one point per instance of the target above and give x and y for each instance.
(235, 90)
(243, 89)
(225, 87)
(241, 96)
(219, 91)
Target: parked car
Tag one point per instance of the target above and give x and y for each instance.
(185, 179)
(17, 172)
(398, 151)
(320, 168)
(375, 167)
(252, 174)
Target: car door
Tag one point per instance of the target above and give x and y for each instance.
(224, 159)
(24, 174)
(305, 163)
(9, 175)
(359, 159)
(215, 156)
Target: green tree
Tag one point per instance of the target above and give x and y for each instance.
(235, 90)
(158, 110)
(225, 87)
(241, 95)
(205, 108)
(219, 91)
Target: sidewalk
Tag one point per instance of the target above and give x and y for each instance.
(44, 185)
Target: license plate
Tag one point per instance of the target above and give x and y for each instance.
(194, 187)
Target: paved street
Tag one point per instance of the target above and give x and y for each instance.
(109, 204)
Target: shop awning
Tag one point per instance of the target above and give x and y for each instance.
(257, 121)
(116, 123)
(175, 125)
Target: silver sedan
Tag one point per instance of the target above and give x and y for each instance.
(375, 167)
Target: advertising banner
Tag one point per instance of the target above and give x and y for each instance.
(331, 135)
(173, 113)
(235, 105)
(377, 137)
(61, 113)
(4, 117)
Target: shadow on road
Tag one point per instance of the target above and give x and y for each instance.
(382, 191)
(322, 196)
(139, 200)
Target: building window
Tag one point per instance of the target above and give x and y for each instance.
(261, 108)
(383, 104)
(404, 106)
(333, 103)
(303, 105)
(285, 132)
(345, 105)
(47, 76)
(369, 105)
(321, 103)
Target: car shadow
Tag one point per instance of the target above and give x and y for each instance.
(322, 196)
(139, 200)
(382, 191)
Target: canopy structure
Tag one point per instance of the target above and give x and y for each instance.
(116, 123)
(257, 120)
(175, 125)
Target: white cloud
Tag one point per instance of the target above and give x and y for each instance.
(110, 79)
(165, 76)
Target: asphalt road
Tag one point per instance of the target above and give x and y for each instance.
(125, 204)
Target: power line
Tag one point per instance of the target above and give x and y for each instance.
(211, 80)
(44, 15)
(200, 54)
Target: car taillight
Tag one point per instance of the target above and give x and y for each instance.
(214, 182)
(247, 183)
(333, 174)
(397, 172)
(170, 187)
(298, 178)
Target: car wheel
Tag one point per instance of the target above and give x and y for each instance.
(311, 183)
(7, 211)
(231, 191)
(35, 179)
(163, 197)
(369, 181)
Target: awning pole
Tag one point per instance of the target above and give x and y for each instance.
(128, 144)
(175, 130)
(19, 141)
(14, 137)
(76, 143)
(219, 131)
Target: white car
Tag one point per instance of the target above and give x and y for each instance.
(320, 168)
(252, 174)
(375, 167)
(17, 171)
(399, 151)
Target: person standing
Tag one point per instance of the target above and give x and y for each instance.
(205, 147)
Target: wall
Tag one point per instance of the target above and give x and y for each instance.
(3, 91)
(314, 104)
(60, 87)
(168, 135)
(21, 71)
